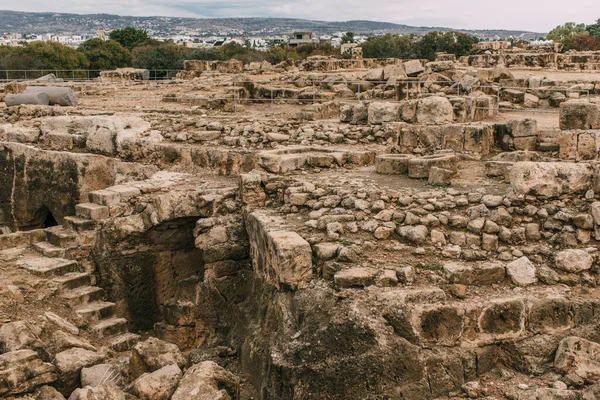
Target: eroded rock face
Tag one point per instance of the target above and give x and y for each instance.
(60, 181)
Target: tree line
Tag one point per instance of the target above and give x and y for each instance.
(578, 37)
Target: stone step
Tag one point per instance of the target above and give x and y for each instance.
(110, 327)
(104, 197)
(49, 250)
(49, 267)
(61, 237)
(96, 311)
(73, 280)
(91, 211)
(79, 224)
(83, 295)
(547, 146)
(124, 342)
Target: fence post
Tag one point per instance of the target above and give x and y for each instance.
(234, 95)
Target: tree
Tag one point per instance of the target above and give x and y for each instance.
(207, 55)
(165, 56)
(563, 31)
(105, 55)
(452, 42)
(581, 42)
(389, 46)
(129, 37)
(45, 55)
(348, 37)
(594, 29)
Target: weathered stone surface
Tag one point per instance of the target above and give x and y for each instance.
(283, 258)
(207, 381)
(100, 374)
(158, 385)
(380, 113)
(419, 167)
(62, 96)
(102, 392)
(521, 272)
(573, 260)
(354, 277)
(578, 356)
(22, 371)
(40, 99)
(69, 364)
(19, 335)
(434, 110)
(392, 164)
(549, 179)
(579, 115)
(153, 354)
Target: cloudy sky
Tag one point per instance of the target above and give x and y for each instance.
(533, 15)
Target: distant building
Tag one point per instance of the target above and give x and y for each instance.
(495, 45)
(346, 48)
(302, 38)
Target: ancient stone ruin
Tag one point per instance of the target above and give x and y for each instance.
(326, 229)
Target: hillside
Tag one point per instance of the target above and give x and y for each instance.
(38, 23)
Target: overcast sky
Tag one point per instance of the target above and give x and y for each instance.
(532, 15)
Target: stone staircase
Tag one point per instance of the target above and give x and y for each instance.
(61, 260)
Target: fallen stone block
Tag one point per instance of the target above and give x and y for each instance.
(68, 367)
(157, 385)
(380, 113)
(207, 381)
(22, 371)
(39, 99)
(153, 354)
(61, 96)
(413, 67)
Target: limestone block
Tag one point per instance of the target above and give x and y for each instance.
(22, 371)
(434, 110)
(382, 112)
(207, 381)
(392, 164)
(550, 179)
(579, 115)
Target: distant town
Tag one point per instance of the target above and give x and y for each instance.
(190, 39)
(20, 28)
(256, 40)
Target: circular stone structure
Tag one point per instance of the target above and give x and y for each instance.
(418, 167)
(392, 164)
